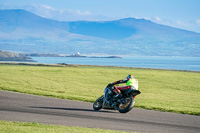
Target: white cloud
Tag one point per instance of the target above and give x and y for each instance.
(187, 25)
(47, 7)
(197, 22)
(60, 14)
(192, 25)
(83, 13)
(158, 19)
(47, 11)
(182, 23)
(41, 10)
(63, 14)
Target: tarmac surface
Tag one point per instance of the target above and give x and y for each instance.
(31, 108)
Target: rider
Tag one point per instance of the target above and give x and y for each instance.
(117, 89)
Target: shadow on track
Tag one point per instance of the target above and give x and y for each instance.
(74, 109)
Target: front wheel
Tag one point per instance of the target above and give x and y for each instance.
(98, 103)
(124, 108)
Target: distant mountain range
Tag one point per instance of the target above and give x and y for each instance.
(23, 31)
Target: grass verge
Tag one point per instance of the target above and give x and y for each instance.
(26, 127)
(171, 91)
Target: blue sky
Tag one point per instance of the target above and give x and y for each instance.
(184, 14)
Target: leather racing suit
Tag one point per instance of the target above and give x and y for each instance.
(117, 89)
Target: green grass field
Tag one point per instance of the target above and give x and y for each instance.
(171, 91)
(24, 127)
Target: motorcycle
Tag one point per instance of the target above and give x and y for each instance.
(123, 104)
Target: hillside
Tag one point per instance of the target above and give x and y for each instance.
(10, 56)
(23, 31)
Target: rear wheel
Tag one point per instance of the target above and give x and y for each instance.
(124, 108)
(98, 103)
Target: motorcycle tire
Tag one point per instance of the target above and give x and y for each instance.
(124, 108)
(98, 103)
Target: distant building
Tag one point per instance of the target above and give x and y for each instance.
(76, 55)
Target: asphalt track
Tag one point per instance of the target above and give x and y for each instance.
(30, 108)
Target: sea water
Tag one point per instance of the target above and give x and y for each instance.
(177, 63)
